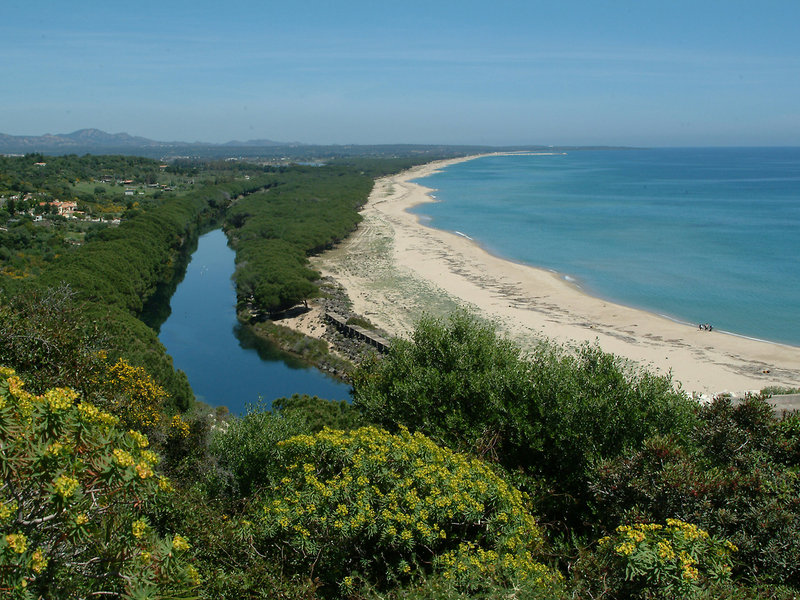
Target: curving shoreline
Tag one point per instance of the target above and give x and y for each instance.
(394, 268)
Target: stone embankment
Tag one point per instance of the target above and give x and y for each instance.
(334, 301)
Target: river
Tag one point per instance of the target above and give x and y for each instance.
(227, 365)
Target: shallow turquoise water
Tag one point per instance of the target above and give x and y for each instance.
(702, 235)
(225, 366)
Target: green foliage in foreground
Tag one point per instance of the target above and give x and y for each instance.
(73, 500)
(740, 482)
(551, 415)
(317, 413)
(371, 506)
(55, 340)
(275, 510)
(45, 337)
(675, 560)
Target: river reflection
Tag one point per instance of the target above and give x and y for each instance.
(227, 365)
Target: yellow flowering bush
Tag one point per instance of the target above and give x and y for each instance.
(130, 393)
(674, 560)
(374, 506)
(72, 499)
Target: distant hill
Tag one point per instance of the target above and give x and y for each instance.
(66, 141)
(88, 140)
(95, 141)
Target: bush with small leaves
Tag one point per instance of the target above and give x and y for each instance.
(366, 506)
(650, 560)
(549, 415)
(73, 500)
(738, 481)
(129, 393)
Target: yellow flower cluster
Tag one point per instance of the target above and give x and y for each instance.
(65, 486)
(123, 458)
(469, 558)
(150, 458)
(632, 536)
(6, 509)
(688, 530)
(194, 575)
(17, 542)
(55, 449)
(179, 427)
(139, 439)
(24, 400)
(139, 528)
(413, 495)
(59, 399)
(138, 398)
(15, 385)
(625, 549)
(179, 543)
(144, 470)
(91, 414)
(678, 551)
(665, 550)
(38, 561)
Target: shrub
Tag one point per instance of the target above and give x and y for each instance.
(247, 449)
(46, 338)
(650, 560)
(72, 502)
(552, 414)
(318, 413)
(129, 393)
(752, 500)
(369, 507)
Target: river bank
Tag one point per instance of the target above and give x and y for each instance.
(394, 269)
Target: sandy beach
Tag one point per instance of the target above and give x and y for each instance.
(395, 269)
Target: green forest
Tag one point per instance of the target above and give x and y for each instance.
(462, 468)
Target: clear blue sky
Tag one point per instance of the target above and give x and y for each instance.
(637, 72)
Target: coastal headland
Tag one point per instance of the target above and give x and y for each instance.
(395, 269)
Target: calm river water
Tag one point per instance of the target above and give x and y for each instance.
(226, 366)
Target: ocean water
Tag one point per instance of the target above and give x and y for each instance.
(700, 235)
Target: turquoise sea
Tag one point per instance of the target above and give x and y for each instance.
(701, 235)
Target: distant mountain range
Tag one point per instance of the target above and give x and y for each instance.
(95, 141)
(87, 140)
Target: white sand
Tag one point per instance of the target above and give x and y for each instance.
(395, 269)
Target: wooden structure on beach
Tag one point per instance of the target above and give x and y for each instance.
(374, 340)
